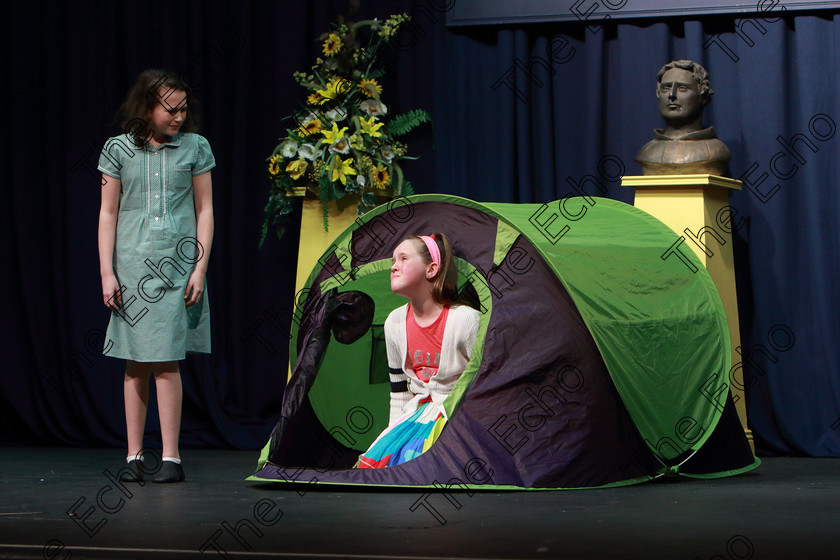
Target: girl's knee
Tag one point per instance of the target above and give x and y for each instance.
(137, 369)
(166, 369)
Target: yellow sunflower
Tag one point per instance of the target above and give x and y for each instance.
(315, 99)
(381, 178)
(370, 87)
(312, 125)
(274, 164)
(296, 168)
(332, 45)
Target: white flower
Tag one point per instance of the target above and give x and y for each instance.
(360, 180)
(307, 151)
(341, 146)
(337, 114)
(374, 108)
(289, 148)
(387, 153)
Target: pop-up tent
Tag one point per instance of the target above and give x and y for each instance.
(602, 357)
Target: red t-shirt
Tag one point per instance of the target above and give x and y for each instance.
(424, 344)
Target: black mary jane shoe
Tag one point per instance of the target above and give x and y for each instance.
(132, 472)
(170, 472)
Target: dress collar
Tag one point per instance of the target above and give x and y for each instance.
(173, 142)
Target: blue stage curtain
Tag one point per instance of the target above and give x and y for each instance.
(524, 113)
(66, 69)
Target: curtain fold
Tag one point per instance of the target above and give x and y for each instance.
(525, 113)
(578, 111)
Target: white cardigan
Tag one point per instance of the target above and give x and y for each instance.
(456, 349)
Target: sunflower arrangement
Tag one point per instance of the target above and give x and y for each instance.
(342, 142)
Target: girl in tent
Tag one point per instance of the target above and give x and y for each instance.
(429, 341)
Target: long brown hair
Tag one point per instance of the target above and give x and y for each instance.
(445, 284)
(143, 97)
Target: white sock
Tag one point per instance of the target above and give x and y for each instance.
(130, 458)
(172, 459)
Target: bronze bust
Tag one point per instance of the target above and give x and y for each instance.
(683, 146)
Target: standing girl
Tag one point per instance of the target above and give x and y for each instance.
(429, 342)
(155, 233)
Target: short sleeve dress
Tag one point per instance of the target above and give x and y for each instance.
(156, 248)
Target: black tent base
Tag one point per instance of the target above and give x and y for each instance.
(54, 502)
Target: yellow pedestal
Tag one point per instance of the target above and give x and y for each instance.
(314, 240)
(697, 208)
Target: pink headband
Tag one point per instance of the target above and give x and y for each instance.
(432, 245)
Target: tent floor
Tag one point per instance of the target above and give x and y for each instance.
(787, 508)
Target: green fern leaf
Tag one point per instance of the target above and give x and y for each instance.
(402, 124)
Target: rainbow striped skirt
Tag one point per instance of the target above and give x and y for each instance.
(406, 439)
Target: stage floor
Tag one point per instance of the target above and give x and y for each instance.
(787, 508)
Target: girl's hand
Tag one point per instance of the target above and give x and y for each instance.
(111, 292)
(195, 287)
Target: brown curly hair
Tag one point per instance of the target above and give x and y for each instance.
(142, 98)
(697, 72)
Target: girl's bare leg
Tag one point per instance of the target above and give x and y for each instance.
(169, 395)
(136, 394)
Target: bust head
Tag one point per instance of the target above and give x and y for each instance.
(683, 146)
(683, 90)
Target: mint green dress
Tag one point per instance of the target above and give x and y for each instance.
(156, 248)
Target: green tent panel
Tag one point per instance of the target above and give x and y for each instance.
(599, 360)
